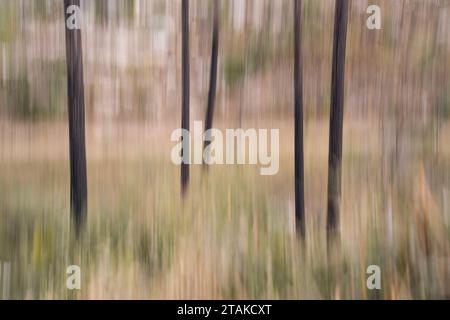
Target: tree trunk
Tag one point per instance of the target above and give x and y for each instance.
(75, 90)
(336, 120)
(298, 139)
(213, 73)
(185, 93)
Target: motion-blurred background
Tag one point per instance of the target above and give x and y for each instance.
(233, 235)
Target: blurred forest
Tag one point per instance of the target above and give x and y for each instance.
(132, 63)
(233, 236)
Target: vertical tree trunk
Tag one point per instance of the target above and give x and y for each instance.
(75, 89)
(336, 119)
(185, 92)
(213, 72)
(298, 139)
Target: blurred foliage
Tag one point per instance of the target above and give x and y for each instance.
(7, 22)
(29, 101)
(232, 236)
(234, 70)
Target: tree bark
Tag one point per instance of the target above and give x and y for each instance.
(213, 74)
(336, 120)
(77, 147)
(298, 114)
(185, 92)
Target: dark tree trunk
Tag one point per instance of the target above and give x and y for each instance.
(185, 93)
(336, 119)
(213, 73)
(298, 139)
(75, 89)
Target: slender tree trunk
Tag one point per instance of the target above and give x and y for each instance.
(213, 74)
(336, 120)
(75, 89)
(185, 93)
(298, 140)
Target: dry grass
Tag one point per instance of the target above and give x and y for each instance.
(233, 236)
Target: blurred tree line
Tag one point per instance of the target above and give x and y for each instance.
(132, 65)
